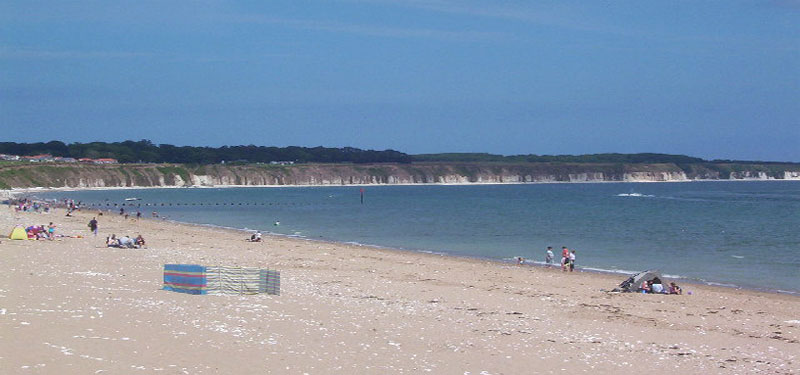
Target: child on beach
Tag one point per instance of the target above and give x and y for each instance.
(112, 241)
(140, 241)
(548, 257)
(564, 258)
(256, 237)
(572, 261)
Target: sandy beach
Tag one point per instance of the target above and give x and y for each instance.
(73, 306)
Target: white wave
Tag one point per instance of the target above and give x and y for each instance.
(722, 284)
(738, 256)
(635, 195)
(623, 272)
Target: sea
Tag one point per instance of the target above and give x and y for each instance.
(742, 234)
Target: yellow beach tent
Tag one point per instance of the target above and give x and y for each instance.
(18, 234)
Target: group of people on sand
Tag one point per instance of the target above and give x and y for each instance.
(122, 212)
(256, 237)
(29, 205)
(125, 242)
(567, 258)
(40, 232)
(656, 286)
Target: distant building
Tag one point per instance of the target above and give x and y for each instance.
(38, 158)
(9, 157)
(281, 162)
(59, 159)
(98, 161)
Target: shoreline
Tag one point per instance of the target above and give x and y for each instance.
(528, 263)
(695, 281)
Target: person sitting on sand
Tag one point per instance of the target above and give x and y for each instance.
(126, 242)
(139, 241)
(645, 287)
(256, 237)
(675, 289)
(657, 287)
(41, 234)
(112, 241)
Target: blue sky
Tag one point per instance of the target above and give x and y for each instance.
(714, 79)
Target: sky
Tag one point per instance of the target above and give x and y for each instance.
(712, 79)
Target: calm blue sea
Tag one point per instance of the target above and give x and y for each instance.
(744, 234)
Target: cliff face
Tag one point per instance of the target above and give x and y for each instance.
(145, 175)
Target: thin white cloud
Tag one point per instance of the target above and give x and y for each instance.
(368, 30)
(575, 18)
(558, 16)
(32, 53)
(26, 53)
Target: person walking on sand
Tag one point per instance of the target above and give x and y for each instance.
(548, 256)
(564, 258)
(572, 261)
(93, 226)
(51, 231)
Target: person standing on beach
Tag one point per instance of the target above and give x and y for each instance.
(548, 257)
(572, 261)
(564, 258)
(93, 226)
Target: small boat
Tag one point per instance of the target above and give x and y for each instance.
(133, 199)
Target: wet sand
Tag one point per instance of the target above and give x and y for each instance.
(73, 306)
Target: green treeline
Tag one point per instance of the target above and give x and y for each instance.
(145, 151)
(648, 158)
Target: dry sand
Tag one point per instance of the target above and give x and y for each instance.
(73, 306)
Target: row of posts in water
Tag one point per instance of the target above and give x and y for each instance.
(193, 204)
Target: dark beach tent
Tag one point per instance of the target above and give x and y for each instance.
(632, 283)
